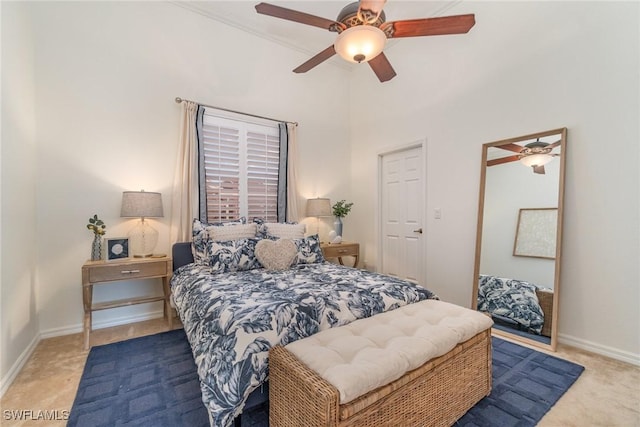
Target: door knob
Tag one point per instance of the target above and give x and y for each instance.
(419, 230)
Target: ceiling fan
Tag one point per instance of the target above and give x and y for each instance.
(363, 31)
(534, 154)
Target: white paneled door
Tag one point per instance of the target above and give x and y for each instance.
(401, 214)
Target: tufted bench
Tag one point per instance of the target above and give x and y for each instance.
(424, 364)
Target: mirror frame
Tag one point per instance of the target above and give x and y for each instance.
(556, 285)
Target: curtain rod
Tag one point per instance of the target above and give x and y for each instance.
(179, 100)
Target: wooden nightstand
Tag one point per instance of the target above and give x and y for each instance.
(102, 272)
(339, 250)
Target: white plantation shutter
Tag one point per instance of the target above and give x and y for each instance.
(221, 149)
(239, 168)
(263, 160)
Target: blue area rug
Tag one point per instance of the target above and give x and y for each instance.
(147, 381)
(526, 384)
(152, 381)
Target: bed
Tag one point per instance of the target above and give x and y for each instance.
(516, 304)
(232, 317)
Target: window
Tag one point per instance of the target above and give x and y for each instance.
(239, 168)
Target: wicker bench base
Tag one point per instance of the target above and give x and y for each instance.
(436, 394)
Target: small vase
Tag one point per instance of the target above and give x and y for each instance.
(337, 225)
(96, 248)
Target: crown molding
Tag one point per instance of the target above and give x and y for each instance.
(193, 7)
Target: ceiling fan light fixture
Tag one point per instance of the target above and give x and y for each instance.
(533, 160)
(360, 43)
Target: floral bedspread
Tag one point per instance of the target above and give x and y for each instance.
(511, 299)
(232, 319)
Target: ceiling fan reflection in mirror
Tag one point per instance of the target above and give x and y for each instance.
(534, 154)
(363, 31)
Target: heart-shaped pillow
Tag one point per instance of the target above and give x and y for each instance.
(276, 254)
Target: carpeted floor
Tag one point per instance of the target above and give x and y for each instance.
(152, 381)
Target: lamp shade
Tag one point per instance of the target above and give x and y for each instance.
(319, 207)
(141, 204)
(360, 43)
(536, 160)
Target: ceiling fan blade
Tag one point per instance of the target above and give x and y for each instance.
(502, 160)
(382, 67)
(457, 24)
(316, 60)
(295, 16)
(511, 147)
(538, 169)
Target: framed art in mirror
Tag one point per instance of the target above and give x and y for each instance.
(518, 249)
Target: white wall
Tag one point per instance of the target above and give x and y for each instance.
(525, 67)
(102, 77)
(18, 265)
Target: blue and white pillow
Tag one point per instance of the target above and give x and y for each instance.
(512, 299)
(309, 251)
(232, 255)
(200, 236)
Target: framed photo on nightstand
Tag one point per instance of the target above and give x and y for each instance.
(117, 248)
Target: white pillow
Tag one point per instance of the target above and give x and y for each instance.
(235, 232)
(285, 231)
(276, 254)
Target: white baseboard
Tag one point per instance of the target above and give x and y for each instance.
(17, 367)
(77, 328)
(613, 353)
(67, 330)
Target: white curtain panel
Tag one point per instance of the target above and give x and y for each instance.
(292, 173)
(184, 203)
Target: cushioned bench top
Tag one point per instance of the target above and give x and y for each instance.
(369, 353)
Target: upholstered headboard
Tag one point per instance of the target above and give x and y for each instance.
(182, 255)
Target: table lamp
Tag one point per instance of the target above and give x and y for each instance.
(319, 207)
(142, 204)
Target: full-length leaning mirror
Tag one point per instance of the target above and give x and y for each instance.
(519, 236)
